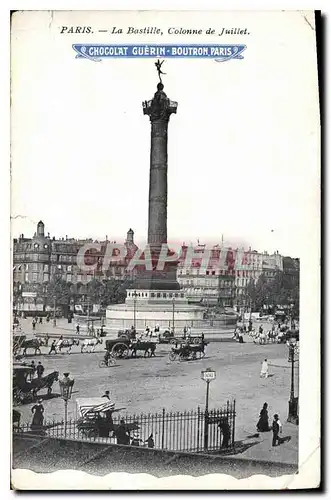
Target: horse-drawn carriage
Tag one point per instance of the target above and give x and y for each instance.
(121, 348)
(168, 337)
(96, 418)
(186, 351)
(25, 388)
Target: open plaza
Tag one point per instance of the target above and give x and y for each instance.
(147, 385)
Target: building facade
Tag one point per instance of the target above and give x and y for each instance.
(224, 281)
(209, 285)
(38, 259)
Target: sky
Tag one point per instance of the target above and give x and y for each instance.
(243, 151)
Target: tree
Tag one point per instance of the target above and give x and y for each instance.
(58, 291)
(105, 292)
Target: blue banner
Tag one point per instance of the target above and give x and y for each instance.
(97, 52)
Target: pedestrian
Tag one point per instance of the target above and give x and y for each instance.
(33, 324)
(121, 433)
(264, 369)
(276, 430)
(33, 366)
(136, 439)
(47, 318)
(150, 441)
(40, 369)
(38, 415)
(53, 347)
(46, 339)
(77, 328)
(263, 422)
(106, 395)
(260, 329)
(41, 320)
(225, 430)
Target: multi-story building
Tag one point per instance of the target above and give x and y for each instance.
(36, 260)
(209, 285)
(224, 281)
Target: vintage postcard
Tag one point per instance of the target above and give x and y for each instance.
(165, 225)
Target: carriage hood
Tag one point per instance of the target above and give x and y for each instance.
(94, 405)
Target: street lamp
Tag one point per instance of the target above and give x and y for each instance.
(66, 385)
(134, 295)
(207, 375)
(293, 402)
(173, 315)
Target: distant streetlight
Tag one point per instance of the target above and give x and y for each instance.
(134, 295)
(66, 385)
(207, 375)
(293, 402)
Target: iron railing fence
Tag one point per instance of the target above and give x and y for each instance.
(195, 431)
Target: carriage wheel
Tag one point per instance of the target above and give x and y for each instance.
(102, 364)
(196, 341)
(120, 350)
(184, 357)
(172, 356)
(172, 341)
(201, 354)
(18, 397)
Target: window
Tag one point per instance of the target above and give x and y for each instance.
(207, 272)
(34, 277)
(153, 295)
(26, 277)
(182, 295)
(45, 276)
(26, 267)
(213, 273)
(158, 295)
(46, 268)
(34, 267)
(164, 295)
(69, 268)
(69, 277)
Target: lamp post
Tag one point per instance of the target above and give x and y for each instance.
(66, 385)
(134, 295)
(173, 315)
(293, 401)
(207, 375)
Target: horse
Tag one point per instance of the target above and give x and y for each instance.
(67, 344)
(32, 344)
(90, 343)
(40, 383)
(148, 348)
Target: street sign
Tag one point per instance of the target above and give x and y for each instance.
(29, 294)
(208, 375)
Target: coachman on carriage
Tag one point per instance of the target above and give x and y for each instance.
(25, 390)
(187, 350)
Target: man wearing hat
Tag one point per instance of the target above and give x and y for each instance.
(276, 429)
(106, 395)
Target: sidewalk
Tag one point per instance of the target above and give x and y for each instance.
(260, 448)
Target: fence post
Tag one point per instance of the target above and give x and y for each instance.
(198, 431)
(163, 418)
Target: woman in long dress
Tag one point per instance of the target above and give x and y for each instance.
(263, 422)
(38, 415)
